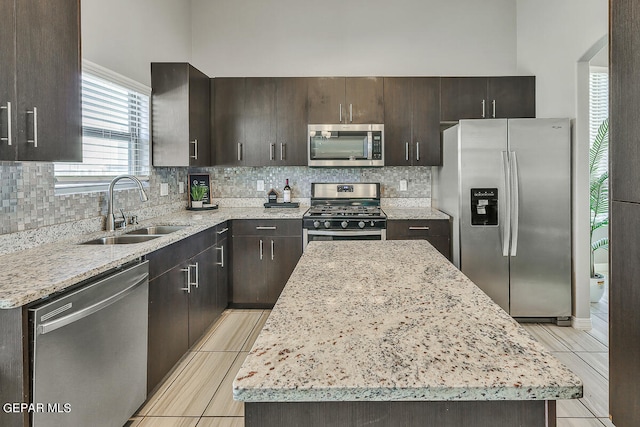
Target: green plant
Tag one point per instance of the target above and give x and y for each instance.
(198, 192)
(599, 189)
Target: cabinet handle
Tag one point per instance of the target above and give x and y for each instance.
(483, 109)
(197, 282)
(264, 227)
(239, 151)
(8, 138)
(340, 120)
(283, 154)
(221, 263)
(261, 253)
(35, 127)
(188, 271)
(195, 149)
(351, 113)
(493, 103)
(272, 249)
(417, 150)
(418, 228)
(406, 151)
(224, 230)
(272, 151)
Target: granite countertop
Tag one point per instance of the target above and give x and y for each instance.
(409, 326)
(35, 273)
(413, 213)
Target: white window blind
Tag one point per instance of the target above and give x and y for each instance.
(115, 130)
(598, 108)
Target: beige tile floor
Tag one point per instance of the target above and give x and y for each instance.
(198, 392)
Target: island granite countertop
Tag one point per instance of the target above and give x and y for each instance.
(393, 321)
(30, 274)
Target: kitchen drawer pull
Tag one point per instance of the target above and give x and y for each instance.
(418, 150)
(493, 103)
(272, 151)
(406, 151)
(483, 109)
(9, 137)
(188, 271)
(195, 149)
(418, 228)
(261, 251)
(224, 230)
(197, 282)
(35, 127)
(221, 263)
(264, 227)
(272, 249)
(239, 151)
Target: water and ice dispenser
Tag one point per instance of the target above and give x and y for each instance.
(484, 206)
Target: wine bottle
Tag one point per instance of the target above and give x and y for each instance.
(286, 194)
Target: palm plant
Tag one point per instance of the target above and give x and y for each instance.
(599, 186)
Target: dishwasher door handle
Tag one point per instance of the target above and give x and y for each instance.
(47, 327)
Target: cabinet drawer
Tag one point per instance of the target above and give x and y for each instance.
(267, 227)
(416, 228)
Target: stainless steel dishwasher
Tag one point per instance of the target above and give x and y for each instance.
(89, 352)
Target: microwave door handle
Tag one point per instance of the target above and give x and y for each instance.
(369, 146)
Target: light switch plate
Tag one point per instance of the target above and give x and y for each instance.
(260, 185)
(164, 189)
(403, 185)
(181, 187)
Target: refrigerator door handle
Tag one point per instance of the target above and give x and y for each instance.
(515, 202)
(506, 222)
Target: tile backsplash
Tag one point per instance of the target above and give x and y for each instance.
(28, 200)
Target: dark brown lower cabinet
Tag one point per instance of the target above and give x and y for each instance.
(435, 231)
(183, 299)
(265, 252)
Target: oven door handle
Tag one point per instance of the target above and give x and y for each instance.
(346, 233)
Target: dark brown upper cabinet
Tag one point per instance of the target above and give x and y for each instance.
(487, 97)
(40, 113)
(346, 100)
(181, 115)
(260, 121)
(412, 121)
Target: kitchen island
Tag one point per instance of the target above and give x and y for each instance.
(390, 333)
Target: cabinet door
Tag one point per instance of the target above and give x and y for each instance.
(398, 110)
(8, 148)
(228, 123)
(291, 121)
(202, 299)
(259, 121)
(199, 119)
(48, 80)
(425, 143)
(326, 100)
(282, 255)
(249, 286)
(168, 323)
(222, 275)
(463, 98)
(511, 97)
(364, 100)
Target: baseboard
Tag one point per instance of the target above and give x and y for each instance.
(582, 323)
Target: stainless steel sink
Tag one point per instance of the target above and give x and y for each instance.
(120, 240)
(156, 230)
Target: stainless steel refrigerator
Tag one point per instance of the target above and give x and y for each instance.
(507, 185)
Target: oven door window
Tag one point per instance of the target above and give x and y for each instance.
(351, 145)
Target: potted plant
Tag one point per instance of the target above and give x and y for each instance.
(197, 194)
(599, 204)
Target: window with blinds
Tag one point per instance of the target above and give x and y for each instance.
(598, 110)
(115, 130)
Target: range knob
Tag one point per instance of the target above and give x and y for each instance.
(327, 224)
(344, 224)
(361, 224)
(316, 224)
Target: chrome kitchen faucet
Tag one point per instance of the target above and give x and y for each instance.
(111, 221)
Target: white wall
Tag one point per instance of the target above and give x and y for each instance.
(354, 37)
(126, 36)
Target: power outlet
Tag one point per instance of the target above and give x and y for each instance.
(403, 185)
(164, 189)
(180, 187)
(260, 185)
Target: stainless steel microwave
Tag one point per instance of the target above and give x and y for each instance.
(346, 145)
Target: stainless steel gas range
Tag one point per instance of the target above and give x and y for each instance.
(348, 211)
